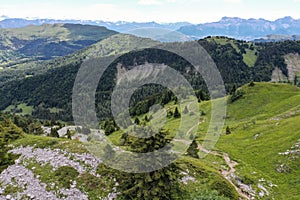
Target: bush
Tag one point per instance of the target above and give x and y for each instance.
(251, 84)
(207, 195)
(247, 180)
(236, 96)
(66, 175)
(224, 189)
(95, 187)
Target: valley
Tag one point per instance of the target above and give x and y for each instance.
(45, 154)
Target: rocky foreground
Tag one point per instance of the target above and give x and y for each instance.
(29, 185)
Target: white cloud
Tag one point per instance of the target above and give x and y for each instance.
(149, 2)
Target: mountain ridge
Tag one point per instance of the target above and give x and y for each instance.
(47, 41)
(239, 28)
(119, 26)
(245, 29)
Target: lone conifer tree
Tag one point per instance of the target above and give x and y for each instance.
(228, 131)
(176, 113)
(193, 150)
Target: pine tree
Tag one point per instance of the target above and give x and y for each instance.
(160, 184)
(124, 139)
(146, 118)
(9, 132)
(296, 80)
(3, 155)
(109, 129)
(137, 121)
(69, 135)
(228, 131)
(233, 89)
(185, 111)
(176, 113)
(170, 114)
(54, 133)
(36, 129)
(193, 150)
(109, 126)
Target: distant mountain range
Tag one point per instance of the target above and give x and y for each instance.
(120, 26)
(245, 29)
(23, 40)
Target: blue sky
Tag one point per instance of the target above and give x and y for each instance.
(195, 11)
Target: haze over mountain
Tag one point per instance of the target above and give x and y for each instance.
(245, 29)
(120, 26)
(238, 28)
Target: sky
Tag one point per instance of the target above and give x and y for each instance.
(163, 11)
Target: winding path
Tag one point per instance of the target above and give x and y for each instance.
(228, 174)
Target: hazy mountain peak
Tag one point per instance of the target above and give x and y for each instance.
(239, 28)
(245, 29)
(229, 19)
(286, 19)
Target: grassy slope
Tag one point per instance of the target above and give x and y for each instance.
(267, 112)
(43, 31)
(205, 173)
(26, 110)
(249, 57)
(62, 32)
(270, 113)
(46, 41)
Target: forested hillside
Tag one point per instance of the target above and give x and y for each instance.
(48, 94)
